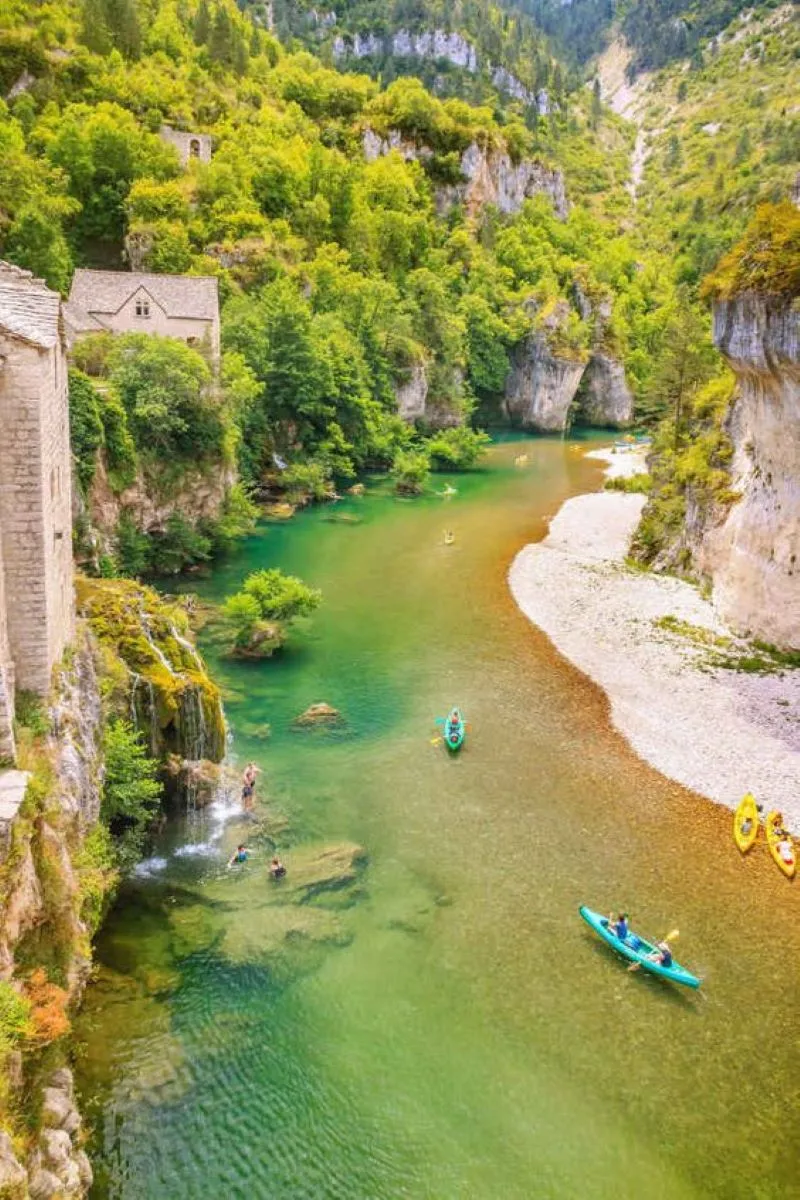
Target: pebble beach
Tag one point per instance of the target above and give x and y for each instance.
(718, 731)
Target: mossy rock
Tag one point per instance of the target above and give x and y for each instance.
(152, 668)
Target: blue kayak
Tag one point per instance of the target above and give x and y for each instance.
(637, 950)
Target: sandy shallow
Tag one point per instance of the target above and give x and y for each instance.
(719, 732)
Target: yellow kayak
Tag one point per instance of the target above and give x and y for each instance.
(780, 844)
(745, 823)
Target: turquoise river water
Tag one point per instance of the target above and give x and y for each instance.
(446, 1028)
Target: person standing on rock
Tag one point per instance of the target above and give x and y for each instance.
(249, 785)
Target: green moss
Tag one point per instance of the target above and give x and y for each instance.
(152, 669)
(766, 260)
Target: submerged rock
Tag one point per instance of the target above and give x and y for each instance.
(318, 714)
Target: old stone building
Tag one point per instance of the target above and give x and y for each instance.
(36, 592)
(188, 145)
(179, 306)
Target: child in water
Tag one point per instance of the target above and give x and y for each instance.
(239, 856)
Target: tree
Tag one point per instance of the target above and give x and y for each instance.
(457, 449)
(410, 471)
(202, 24)
(131, 790)
(685, 362)
(165, 388)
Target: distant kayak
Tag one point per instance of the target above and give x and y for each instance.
(781, 846)
(636, 949)
(454, 730)
(745, 823)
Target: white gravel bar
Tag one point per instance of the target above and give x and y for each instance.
(720, 732)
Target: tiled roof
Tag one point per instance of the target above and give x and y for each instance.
(28, 309)
(178, 295)
(80, 321)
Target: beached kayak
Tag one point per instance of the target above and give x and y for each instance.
(745, 823)
(636, 949)
(454, 730)
(775, 836)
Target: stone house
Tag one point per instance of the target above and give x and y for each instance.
(188, 145)
(178, 306)
(36, 586)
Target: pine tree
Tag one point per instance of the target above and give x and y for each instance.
(94, 29)
(202, 24)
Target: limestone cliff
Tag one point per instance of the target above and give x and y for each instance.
(412, 393)
(541, 386)
(753, 554)
(488, 176)
(199, 497)
(432, 46)
(604, 399)
(50, 892)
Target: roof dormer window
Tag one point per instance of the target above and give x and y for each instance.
(142, 308)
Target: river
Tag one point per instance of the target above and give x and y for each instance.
(452, 1030)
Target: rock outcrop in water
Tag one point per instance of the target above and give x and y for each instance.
(752, 555)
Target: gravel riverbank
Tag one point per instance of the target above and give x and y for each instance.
(720, 732)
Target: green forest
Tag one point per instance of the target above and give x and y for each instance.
(341, 277)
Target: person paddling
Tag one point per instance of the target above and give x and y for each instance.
(619, 926)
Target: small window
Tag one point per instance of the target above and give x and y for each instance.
(194, 148)
(143, 308)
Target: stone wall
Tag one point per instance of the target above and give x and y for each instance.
(188, 145)
(35, 508)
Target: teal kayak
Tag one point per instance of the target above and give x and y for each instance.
(637, 950)
(454, 730)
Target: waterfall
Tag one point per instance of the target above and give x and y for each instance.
(187, 646)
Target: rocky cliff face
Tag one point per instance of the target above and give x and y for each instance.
(753, 555)
(435, 44)
(541, 386)
(412, 394)
(605, 399)
(489, 176)
(199, 497)
(44, 916)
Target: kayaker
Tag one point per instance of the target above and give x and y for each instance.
(620, 925)
(784, 847)
(239, 855)
(276, 868)
(662, 954)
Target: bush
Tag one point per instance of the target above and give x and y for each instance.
(130, 790)
(14, 1017)
(410, 471)
(48, 1008)
(307, 481)
(133, 548)
(85, 426)
(457, 449)
(181, 545)
(237, 519)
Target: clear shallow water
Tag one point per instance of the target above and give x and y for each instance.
(456, 1032)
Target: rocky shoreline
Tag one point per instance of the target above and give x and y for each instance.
(643, 638)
